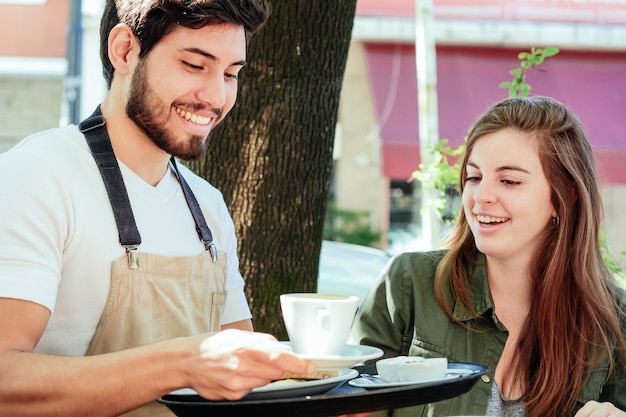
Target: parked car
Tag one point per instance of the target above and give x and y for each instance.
(348, 269)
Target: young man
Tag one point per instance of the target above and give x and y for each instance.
(118, 267)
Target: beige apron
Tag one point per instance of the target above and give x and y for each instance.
(164, 298)
(153, 297)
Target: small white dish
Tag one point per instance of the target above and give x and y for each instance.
(371, 382)
(351, 355)
(411, 368)
(288, 388)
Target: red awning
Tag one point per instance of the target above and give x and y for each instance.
(590, 83)
(608, 12)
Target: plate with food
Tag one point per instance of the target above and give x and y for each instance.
(291, 385)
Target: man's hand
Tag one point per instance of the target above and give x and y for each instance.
(228, 364)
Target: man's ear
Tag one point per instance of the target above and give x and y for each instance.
(123, 45)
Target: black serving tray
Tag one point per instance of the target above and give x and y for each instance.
(344, 399)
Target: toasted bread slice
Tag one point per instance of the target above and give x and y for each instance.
(319, 374)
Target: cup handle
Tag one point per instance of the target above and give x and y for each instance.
(323, 319)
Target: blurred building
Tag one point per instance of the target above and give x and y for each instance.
(377, 144)
(477, 44)
(32, 66)
(35, 77)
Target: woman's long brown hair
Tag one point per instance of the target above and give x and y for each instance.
(574, 318)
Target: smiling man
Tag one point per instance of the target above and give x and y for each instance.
(118, 266)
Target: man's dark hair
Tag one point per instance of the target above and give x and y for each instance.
(150, 20)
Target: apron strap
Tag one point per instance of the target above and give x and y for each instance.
(203, 230)
(102, 151)
(100, 145)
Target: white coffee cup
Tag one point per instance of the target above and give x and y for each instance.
(318, 324)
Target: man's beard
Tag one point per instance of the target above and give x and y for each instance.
(145, 109)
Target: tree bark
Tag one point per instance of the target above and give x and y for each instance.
(272, 156)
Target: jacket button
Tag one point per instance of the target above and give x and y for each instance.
(485, 378)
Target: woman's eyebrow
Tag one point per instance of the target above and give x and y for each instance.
(502, 168)
(512, 168)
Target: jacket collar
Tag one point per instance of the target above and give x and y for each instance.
(480, 294)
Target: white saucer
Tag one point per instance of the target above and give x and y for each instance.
(288, 388)
(351, 355)
(375, 382)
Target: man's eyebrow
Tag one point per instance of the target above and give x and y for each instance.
(210, 56)
(502, 168)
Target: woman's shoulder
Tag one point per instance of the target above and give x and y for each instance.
(425, 259)
(415, 266)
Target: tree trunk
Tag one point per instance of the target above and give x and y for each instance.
(272, 156)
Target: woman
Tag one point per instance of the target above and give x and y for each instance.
(521, 285)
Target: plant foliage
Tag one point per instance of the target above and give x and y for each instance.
(518, 87)
(349, 226)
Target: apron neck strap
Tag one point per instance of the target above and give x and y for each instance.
(98, 140)
(202, 228)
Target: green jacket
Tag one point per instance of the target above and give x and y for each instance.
(401, 316)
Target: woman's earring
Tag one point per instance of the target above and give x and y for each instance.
(556, 221)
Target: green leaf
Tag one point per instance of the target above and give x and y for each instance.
(551, 51)
(524, 90)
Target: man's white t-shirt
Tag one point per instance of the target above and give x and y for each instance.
(58, 236)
